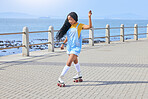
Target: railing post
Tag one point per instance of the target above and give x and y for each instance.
(147, 31)
(122, 33)
(136, 32)
(25, 42)
(107, 34)
(51, 39)
(91, 35)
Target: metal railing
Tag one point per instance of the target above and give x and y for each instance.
(25, 40)
(122, 33)
(25, 37)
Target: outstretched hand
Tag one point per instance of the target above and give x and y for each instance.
(89, 13)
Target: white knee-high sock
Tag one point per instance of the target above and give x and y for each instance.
(65, 69)
(77, 66)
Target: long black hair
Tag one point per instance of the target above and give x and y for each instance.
(66, 26)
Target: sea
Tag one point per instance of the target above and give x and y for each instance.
(12, 25)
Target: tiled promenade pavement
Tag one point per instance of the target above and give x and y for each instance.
(115, 71)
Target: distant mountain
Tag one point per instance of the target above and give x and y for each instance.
(125, 16)
(130, 16)
(15, 15)
(45, 17)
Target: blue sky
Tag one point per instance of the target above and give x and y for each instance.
(60, 8)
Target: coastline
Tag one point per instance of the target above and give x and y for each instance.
(14, 25)
(13, 43)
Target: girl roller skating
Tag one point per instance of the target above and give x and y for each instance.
(74, 38)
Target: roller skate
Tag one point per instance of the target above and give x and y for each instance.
(77, 78)
(60, 82)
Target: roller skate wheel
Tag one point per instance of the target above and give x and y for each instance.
(80, 80)
(64, 85)
(58, 84)
(76, 80)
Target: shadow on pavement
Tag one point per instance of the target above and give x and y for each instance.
(100, 83)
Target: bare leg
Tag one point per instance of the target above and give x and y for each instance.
(76, 61)
(72, 57)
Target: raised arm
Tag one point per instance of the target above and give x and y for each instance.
(90, 22)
